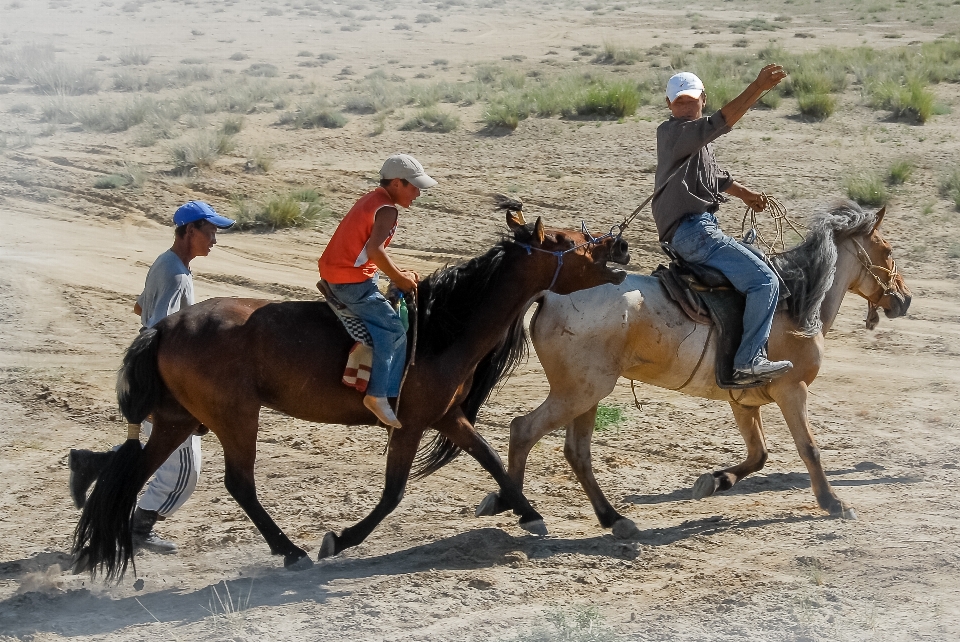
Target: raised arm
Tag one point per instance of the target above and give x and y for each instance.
(768, 78)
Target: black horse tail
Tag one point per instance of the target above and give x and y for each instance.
(103, 539)
(139, 386)
(496, 366)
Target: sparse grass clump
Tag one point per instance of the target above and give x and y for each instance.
(584, 624)
(135, 56)
(239, 56)
(111, 181)
(614, 54)
(315, 115)
(912, 100)
(866, 188)
(300, 208)
(232, 125)
(816, 105)
(107, 117)
(432, 119)
(262, 70)
(258, 162)
(950, 187)
(609, 416)
(61, 79)
(900, 172)
(199, 151)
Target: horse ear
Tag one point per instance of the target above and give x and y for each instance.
(883, 210)
(538, 230)
(515, 219)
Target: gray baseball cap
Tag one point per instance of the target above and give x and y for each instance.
(408, 168)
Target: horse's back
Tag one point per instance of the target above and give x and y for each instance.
(239, 350)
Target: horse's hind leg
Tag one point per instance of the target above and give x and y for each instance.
(793, 403)
(400, 456)
(239, 454)
(576, 449)
(751, 429)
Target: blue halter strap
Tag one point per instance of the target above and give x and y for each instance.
(591, 240)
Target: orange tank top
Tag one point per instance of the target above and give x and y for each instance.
(345, 258)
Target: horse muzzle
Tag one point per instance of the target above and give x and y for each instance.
(620, 251)
(899, 304)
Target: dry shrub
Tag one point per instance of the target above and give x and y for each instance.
(200, 151)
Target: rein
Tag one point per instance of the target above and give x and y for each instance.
(592, 240)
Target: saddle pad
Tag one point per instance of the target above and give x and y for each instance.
(726, 310)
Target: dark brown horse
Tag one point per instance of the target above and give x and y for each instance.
(217, 363)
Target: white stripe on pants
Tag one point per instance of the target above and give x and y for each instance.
(175, 480)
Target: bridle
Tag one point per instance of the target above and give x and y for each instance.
(893, 275)
(591, 240)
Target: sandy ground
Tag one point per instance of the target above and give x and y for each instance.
(761, 562)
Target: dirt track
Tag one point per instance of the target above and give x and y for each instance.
(761, 562)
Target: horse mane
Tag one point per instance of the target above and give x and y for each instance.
(808, 268)
(448, 300)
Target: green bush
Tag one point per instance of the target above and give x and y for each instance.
(317, 115)
(819, 106)
(432, 119)
(506, 112)
(866, 188)
(900, 172)
(950, 187)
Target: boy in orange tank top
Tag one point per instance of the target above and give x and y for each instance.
(349, 265)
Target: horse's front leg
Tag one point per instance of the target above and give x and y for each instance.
(456, 427)
(400, 455)
(792, 400)
(576, 449)
(751, 429)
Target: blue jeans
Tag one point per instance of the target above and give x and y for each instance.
(699, 239)
(389, 339)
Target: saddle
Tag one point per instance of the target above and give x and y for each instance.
(360, 360)
(708, 298)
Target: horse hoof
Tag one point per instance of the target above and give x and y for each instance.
(298, 564)
(536, 527)
(488, 507)
(705, 486)
(624, 528)
(849, 512)
(328, 546)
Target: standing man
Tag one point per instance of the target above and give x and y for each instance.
(168, 288)
(349, 265)
(688, 194)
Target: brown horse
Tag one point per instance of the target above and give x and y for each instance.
(587, 340)
(218, 362)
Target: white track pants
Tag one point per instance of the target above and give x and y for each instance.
(175, 480)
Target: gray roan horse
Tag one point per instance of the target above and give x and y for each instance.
(589, 339)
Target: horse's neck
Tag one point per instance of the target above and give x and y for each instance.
(498, 309)
(846, 274)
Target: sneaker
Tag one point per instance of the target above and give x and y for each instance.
(762, 370)
(145, 537)
(85, 467)
(381, 408)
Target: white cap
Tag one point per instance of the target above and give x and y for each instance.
(684, 84)
(408, 168)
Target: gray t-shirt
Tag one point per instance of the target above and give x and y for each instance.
(169, 287)
(697, 187)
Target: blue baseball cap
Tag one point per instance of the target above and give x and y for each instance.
(199, 211)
